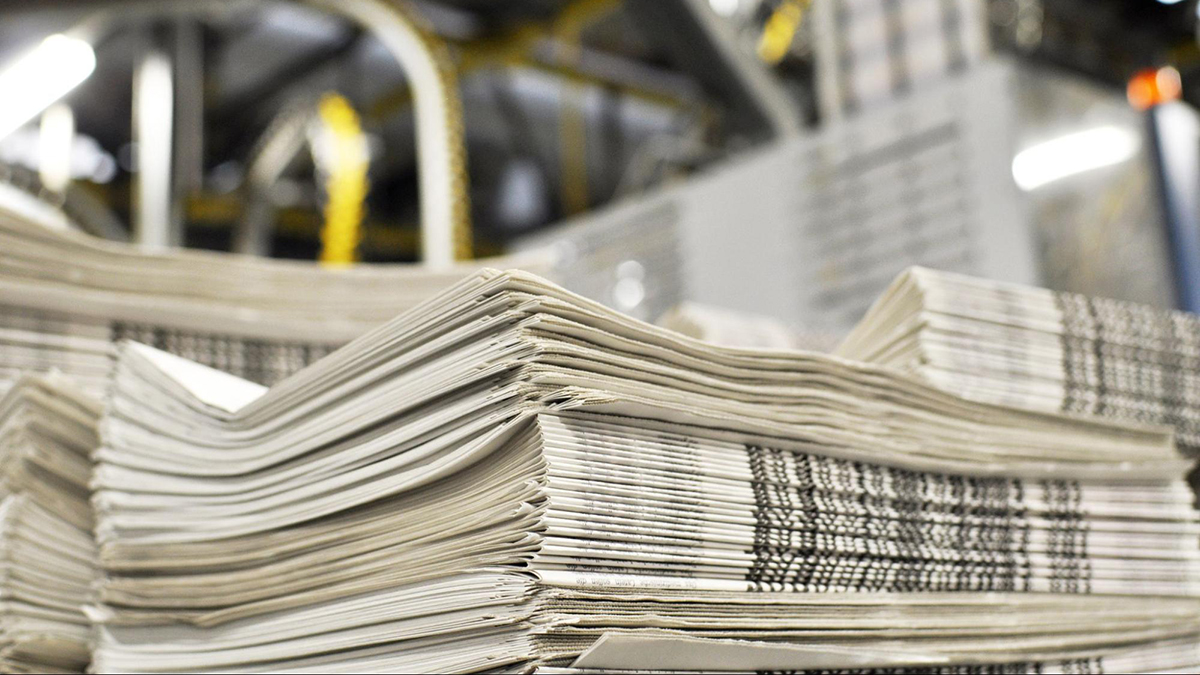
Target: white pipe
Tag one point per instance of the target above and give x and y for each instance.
(154, 108)
(437, 173)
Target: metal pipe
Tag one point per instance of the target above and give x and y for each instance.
(153, 117)
(441, 168)
(187, 50)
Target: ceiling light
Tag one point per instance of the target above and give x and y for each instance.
(35, 81)
(725, 7)
(1072, 154)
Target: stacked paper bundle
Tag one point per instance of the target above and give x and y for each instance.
(510, 477)
(47, 557)
(66, 297)
(1039, 349)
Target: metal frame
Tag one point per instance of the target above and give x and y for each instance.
(441, 161)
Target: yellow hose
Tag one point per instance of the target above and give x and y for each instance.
(780, 30)
(346, 182)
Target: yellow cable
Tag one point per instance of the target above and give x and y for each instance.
(346, 183)
(780, 30)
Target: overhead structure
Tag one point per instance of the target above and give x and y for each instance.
(441, 151)
(425, 62)
(704, 44)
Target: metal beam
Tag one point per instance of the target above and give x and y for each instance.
(187, 50)
(704, 45)
(276, 82)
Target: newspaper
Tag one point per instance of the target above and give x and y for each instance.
(66, 298)
(511, 477)
(1039, 349)
(47, 555)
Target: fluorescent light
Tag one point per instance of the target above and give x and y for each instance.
(1071, 154)
(38, 79)
(1170, 2)
(725, 7)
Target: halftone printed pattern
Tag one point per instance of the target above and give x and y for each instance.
(261, 361)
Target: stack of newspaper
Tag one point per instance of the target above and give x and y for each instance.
(1039, 349)
(66, 297)
(47, 557)
(512, 477)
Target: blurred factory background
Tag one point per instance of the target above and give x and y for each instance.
(780, 157)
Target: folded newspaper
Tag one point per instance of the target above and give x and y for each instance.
(510, 477)
(65, 298)
(47, 556)
(1039, 349)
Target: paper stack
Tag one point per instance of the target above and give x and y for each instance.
(47, 556)
(66, 297)
(510, 477)
(1039, 349)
